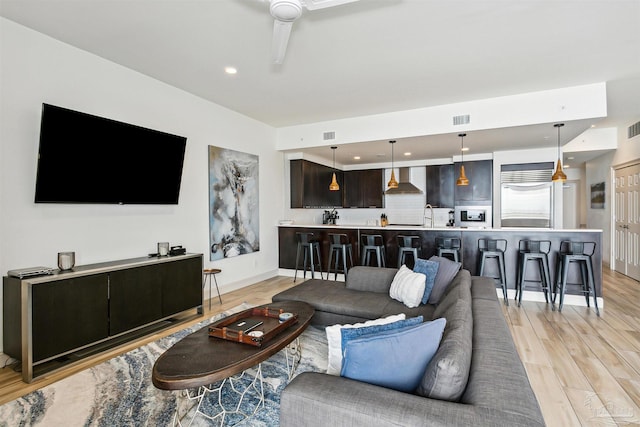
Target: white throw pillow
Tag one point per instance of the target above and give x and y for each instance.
(408, 287)
(334, 339)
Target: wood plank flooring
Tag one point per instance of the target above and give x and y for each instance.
(584, 369)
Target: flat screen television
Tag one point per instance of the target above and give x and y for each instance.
(84, 158)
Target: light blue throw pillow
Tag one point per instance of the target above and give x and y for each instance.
(349, 334)
(429, 269)
(394, 359)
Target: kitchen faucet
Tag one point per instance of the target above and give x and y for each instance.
(424, 214)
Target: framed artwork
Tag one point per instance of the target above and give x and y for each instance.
(234, 219)
(597, 195)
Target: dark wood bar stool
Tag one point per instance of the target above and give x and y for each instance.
(340, 246)
(408, 245)
(538, 251)
(448, 246)
(494, 249)
(579, 253)
(308, 244)
(373, 243)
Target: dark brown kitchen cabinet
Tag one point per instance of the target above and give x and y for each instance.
(480, 188)
(363, 189)
(310, 185)
(440, 185)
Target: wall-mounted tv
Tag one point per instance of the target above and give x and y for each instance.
(89, 159)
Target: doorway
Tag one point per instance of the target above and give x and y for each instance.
(627, 220)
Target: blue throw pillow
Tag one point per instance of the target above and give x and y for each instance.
(429, 269)
(394, 359)
(349, 334)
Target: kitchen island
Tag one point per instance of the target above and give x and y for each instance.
(469, 254)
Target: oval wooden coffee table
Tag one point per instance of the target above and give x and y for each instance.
(199, 360)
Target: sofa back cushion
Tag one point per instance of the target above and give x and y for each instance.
(447, 374)
(372, 279)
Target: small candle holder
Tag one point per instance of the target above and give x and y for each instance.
(66, 260)
(163, 248)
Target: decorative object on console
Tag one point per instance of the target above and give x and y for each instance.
(392, 181)
(462, 179)
(408, 287)
(392, 359)
(163, 248)
(177, 250)
(334, 183)
(234, 214)
(66, 260)
(559, 175)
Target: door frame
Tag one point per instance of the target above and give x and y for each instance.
(612, 232)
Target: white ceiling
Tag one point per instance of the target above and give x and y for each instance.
(367, 57)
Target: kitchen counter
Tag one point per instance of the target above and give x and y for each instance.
(421, 227)
(469, 247)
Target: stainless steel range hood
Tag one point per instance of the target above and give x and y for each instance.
(404, 184)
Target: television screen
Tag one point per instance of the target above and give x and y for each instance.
(88, 159)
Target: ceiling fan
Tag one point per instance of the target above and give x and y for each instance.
(285, 12)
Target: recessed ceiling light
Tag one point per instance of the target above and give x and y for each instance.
(356, 157)
(380, 155)
(571, 158)
(230, 70)
(407, 153)
(566, 166)
(464, 149)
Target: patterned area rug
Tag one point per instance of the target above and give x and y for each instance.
(119, 391)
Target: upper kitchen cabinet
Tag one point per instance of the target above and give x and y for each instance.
(310, 185)
(363, 189)
(480, 174)
(440, 186)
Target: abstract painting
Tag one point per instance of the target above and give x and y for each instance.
(234, 220)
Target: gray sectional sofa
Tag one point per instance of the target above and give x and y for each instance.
(475, 378)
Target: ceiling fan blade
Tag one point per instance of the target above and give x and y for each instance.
(321, 4)
(281, 32)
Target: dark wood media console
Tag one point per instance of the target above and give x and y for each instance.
(52, 321)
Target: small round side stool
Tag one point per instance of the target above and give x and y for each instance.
(208, 273)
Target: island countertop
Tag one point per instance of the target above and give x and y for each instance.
(469, 254)
(421, 227)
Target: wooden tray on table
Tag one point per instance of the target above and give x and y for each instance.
(270, 326)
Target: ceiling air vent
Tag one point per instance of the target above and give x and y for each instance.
(634, 130)
(461, 120)
(328, 136)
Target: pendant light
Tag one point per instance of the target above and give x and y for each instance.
(392, 182)
(334, 183)
(559, 175)
(462, 179)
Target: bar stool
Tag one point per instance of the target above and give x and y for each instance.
(340, 246)
(307, 243)
(408, 245)
(373, 243)
(533, 250)
(448, 245)
(580, 253)
(494, 249)
(208, 273)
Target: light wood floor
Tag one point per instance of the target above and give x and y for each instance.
(584, 369)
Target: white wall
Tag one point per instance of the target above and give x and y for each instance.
(37, 69)
(600, 169)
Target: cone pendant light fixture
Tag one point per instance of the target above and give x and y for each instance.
(559, 175)
(334, 183)
(392, 181)
(462, 179)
